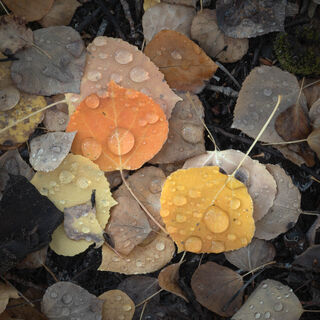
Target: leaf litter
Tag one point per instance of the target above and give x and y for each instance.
(6, 293)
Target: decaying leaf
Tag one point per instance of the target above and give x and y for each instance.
(48, 150)
(224, 284)
(29, 10)
(54, 68)
(285, 210)
(314, 114)
(311, 90)
(117, 305)
(60, 13)
(145, 259)
(314, 141)
(80, 222)
(287, 307)
(27, 221)
(117, 60)
(206, 211)
(9, 98)
(247, 19)
(146, 184)
(20, 132)
(72, 184)
(14, 35)
(168, 280)
(213, 41)
(12, 162)
(7, 292)
(260, 183)
(34, 259)
(167, 16)
(128, 225)
(183, 63)
(185, 138)
(254, 255)
(309, 259)
(66, 300)
(123, 130)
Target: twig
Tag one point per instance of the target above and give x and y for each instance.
(138, 7)
(50, 272)
(87, 20)
(226, 71)
(4, 8)
(227, 91)
(102, 28)
(147, 299)
(127, 13)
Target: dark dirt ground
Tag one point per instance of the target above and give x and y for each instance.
(82, 269)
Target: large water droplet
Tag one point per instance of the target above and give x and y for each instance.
(267, 315)
(91, 148)
(278, 307)
(83, 183)
(65, 177)
(67, 298)
(267, 92)
(176, 55)
(138, 74)
(193, 244)
(160, 246)
(235, 203)
(216, 220)
(191, 133)
(121, 141)
(151, 117)
(100, 41)
(179, 200)
(123, 56)
(94, 75)
(53, 295)
(257, 315)
(181, 218)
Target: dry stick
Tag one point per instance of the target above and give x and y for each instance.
(127, 13)
(4, 8)
(50, 272)
(141, 204)
(225, 70)
(311, 84)
(284, 142)
(31, 114)
(142, 311)
(147, 299)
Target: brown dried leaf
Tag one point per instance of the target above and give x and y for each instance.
(54, 68)
(183, 63)
(254, 255)
(260, 183)
(114, 177)
(310, 258)
(60, 13)
(117, 305)
(314, 114)
(288, 307)
(14, 35)
(6, 292)
(9, 98)
(146, 184)
(169, 168)
(117, 60)
(49, 150)
(185, 138)
(312, 92)
(212, 40)
(168, 280)
(5, 73)
(223, 285)
(167, 16)
(247, 19)
(285, 210)
(128, 225)
(314, 141)
(34, 259)
(145, 259)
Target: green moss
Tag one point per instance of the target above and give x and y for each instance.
(299, 51)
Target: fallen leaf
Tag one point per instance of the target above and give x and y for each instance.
(225, 283)
(213, 41)
(28, 220)
(9, 98)
(72, 184)
(55, 120)
(34, 259)
(185, 132)
(260, 183)
(167, 16)
(21, 132)
(140, 260)
(206, 211)
(60, 13)
(12, 162)
(66, 300)
(310, 90)
(285, 210)
(29, 10)
(80, 222)
(7, 292)
(313, 140)
(14, 35)
(169, 280)
(114, 177)
(54, 66)
(309, 259)
(312, 232)
(247, 19)
(314, 114)
(5, 73)
(146, 184)
(288, 307)
(117, 60)
(149, 4)
(123, 130)
(183, 63)
(169, 168)
(128, 225)
(255, 254)
(117, 305)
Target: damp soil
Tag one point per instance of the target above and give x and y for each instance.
(99, 17)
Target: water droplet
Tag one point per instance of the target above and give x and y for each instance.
(216, 219)
(138, 74)
(278, 307)
(155, 185)
(121, 141)
(118, 298)
(139, 263)
(127, 307)
(160, 246)
(193, 244)
(164, 213)
(65, 312)
(231, 237)
(151, 118)
(267, 92)
(85, 230)
(179, 200)
(264, 286)
(181, 218)
(235, 203)
(191, 133)
(94, 75)
(53, 295)
(103, 55)
(100, 41)
(267, 315)
(257, 315)
(65, 177)
(83, 183)
(194, 193)
(123, 56)
(176, 55)
(115, 259)
(251, 307)
(116, 77)
(217, 246)
(67, 298)
(91, 148)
